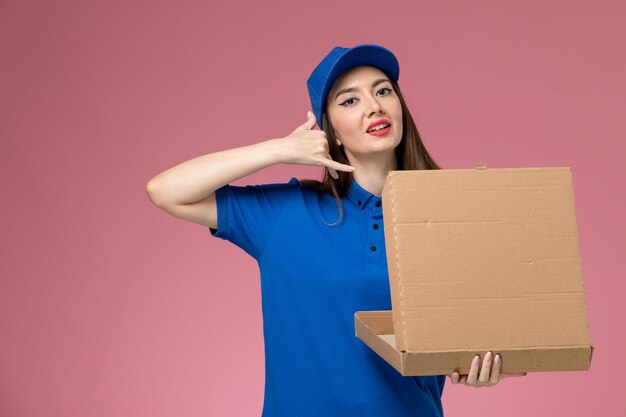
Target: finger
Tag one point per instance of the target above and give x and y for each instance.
(310, 122)
(333, 173)
(485, 370)
(473, 373)
(342, 167)
(454, 378)
(328, 161)
(338, 165)
(495, 370)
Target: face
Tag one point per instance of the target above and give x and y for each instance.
(361, 99)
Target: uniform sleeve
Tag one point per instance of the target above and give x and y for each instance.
(246, 215)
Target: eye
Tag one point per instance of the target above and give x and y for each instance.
(388, 91)
(347, 102)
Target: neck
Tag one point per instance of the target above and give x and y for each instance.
(371, 173)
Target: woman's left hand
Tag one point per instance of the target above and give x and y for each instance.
(488, 376)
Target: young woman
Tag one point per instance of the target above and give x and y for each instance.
(320, 245)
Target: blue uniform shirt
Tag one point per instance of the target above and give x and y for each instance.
(314, 278)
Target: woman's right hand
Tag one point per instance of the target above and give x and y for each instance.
(306, 146)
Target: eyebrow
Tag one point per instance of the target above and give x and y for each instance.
(351, 89)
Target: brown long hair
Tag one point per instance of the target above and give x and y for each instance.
(410, 155)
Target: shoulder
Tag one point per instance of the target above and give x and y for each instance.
(265, 188)
(305, 190)
(293, 184)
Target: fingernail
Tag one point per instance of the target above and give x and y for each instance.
(497, 359)
(488, 356)
(476, 360)
(308, 113)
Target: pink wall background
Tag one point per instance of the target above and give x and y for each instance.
(110, 307)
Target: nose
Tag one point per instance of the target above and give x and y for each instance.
(373, 106)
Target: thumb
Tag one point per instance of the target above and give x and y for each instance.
(311, 121)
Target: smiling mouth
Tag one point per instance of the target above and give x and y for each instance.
(378, 127)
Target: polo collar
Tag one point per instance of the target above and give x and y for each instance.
(360, 196)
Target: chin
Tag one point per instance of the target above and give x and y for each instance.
(375, 152)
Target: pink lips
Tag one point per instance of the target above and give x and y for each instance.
(382, 131)
(377, 122)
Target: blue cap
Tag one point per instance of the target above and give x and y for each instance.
(338, 61)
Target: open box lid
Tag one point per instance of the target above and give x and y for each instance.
(481, 256)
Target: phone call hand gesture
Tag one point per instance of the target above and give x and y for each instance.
(306, 146)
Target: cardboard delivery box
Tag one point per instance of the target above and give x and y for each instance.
(480, 260)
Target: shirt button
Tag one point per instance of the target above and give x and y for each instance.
(375, 226)
(378, 204)
(373, 248)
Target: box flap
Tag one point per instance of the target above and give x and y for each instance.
(463, 244)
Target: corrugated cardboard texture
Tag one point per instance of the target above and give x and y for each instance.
(484, 259)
